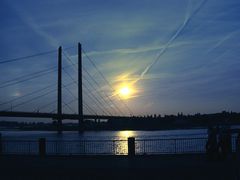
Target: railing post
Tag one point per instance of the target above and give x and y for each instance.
(1, 146)
(175, 146)
(42, 146)
(113, 148)
(131, 146)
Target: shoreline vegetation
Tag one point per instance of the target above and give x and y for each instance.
(146, 123)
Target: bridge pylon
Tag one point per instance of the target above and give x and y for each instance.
(80, 94)
(59, 91)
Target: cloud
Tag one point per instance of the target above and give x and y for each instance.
(135, 50)
(187, 19)
(29, 20)
(223, 40)
(128, 42)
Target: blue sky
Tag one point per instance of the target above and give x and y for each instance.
(179, 55)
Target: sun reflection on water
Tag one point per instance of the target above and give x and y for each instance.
(121, 145)
(126, 134)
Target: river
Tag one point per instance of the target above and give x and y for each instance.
(106, 142)
(102, 135)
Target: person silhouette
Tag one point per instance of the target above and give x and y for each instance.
(225, 144)
(211, 146)
(238, 155)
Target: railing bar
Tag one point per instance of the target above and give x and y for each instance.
(149, 146)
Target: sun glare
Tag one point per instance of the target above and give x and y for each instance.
(125, 88)
(126, 134)
(125, 91)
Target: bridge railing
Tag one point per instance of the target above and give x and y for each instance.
(106, 147)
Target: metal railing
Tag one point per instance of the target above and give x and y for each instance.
(82, 147)
(20, 147)
(170, 146)
(107, 147)
(87, 147)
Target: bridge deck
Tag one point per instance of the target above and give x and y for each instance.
(55, 116)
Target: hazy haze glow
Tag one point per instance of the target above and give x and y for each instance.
(160, 57)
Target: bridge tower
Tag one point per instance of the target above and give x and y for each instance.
(59, 99)
(80, 97)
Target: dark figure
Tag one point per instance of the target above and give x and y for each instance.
(225, 144)
(238, 147)
(211, 146)
(229, 141)
(238, 156)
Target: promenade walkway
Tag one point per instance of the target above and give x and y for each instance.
(170, 167)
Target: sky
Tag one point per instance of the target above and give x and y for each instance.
(175, 56)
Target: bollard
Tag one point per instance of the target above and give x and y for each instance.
(42, 146)
(131, 146)
(1, 146)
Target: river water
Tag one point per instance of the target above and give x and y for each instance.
(103, 135)
(106, 142)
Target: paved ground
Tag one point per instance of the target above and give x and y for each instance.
(174, 167)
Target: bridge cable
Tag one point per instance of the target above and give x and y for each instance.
(46, 105)
(94, 101)
(96, 98)
(30, 56)
(109, 99)
(27, 79)
(26, 57)
(90, 84)
(52, 102)
(64, 105)
(87, 106)
(31, 93)
(69, 107)
(99, 104)
(33, 76)
(29, 75)
(91, 61)
(70, 60)
(32, 99)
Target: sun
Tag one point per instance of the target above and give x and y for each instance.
(124, 91)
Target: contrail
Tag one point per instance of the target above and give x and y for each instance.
(187, 19)
(221, 41)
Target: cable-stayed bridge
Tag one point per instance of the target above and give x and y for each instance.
(86, 93)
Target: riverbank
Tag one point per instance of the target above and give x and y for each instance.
(194, 166)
